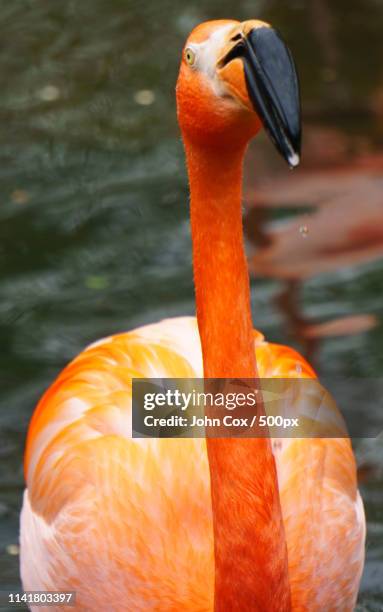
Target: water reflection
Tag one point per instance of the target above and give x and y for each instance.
(335, 211)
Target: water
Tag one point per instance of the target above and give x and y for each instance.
(94, 234)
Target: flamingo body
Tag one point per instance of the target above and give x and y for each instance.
(127, 523)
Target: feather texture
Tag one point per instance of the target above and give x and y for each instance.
(127, 523)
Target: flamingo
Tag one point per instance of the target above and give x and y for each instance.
(195, 524)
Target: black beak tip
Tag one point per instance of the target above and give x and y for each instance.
(292, 152)
(288, 147)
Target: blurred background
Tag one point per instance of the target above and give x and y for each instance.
(94, 233)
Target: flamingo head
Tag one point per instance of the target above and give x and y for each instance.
(234, 78)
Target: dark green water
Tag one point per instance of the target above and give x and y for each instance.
(94, 234)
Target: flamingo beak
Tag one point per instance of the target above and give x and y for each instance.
(272, 87)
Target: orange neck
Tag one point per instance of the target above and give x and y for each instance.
(250, 548)
(220, 270)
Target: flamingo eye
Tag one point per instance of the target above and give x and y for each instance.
(189, 56)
